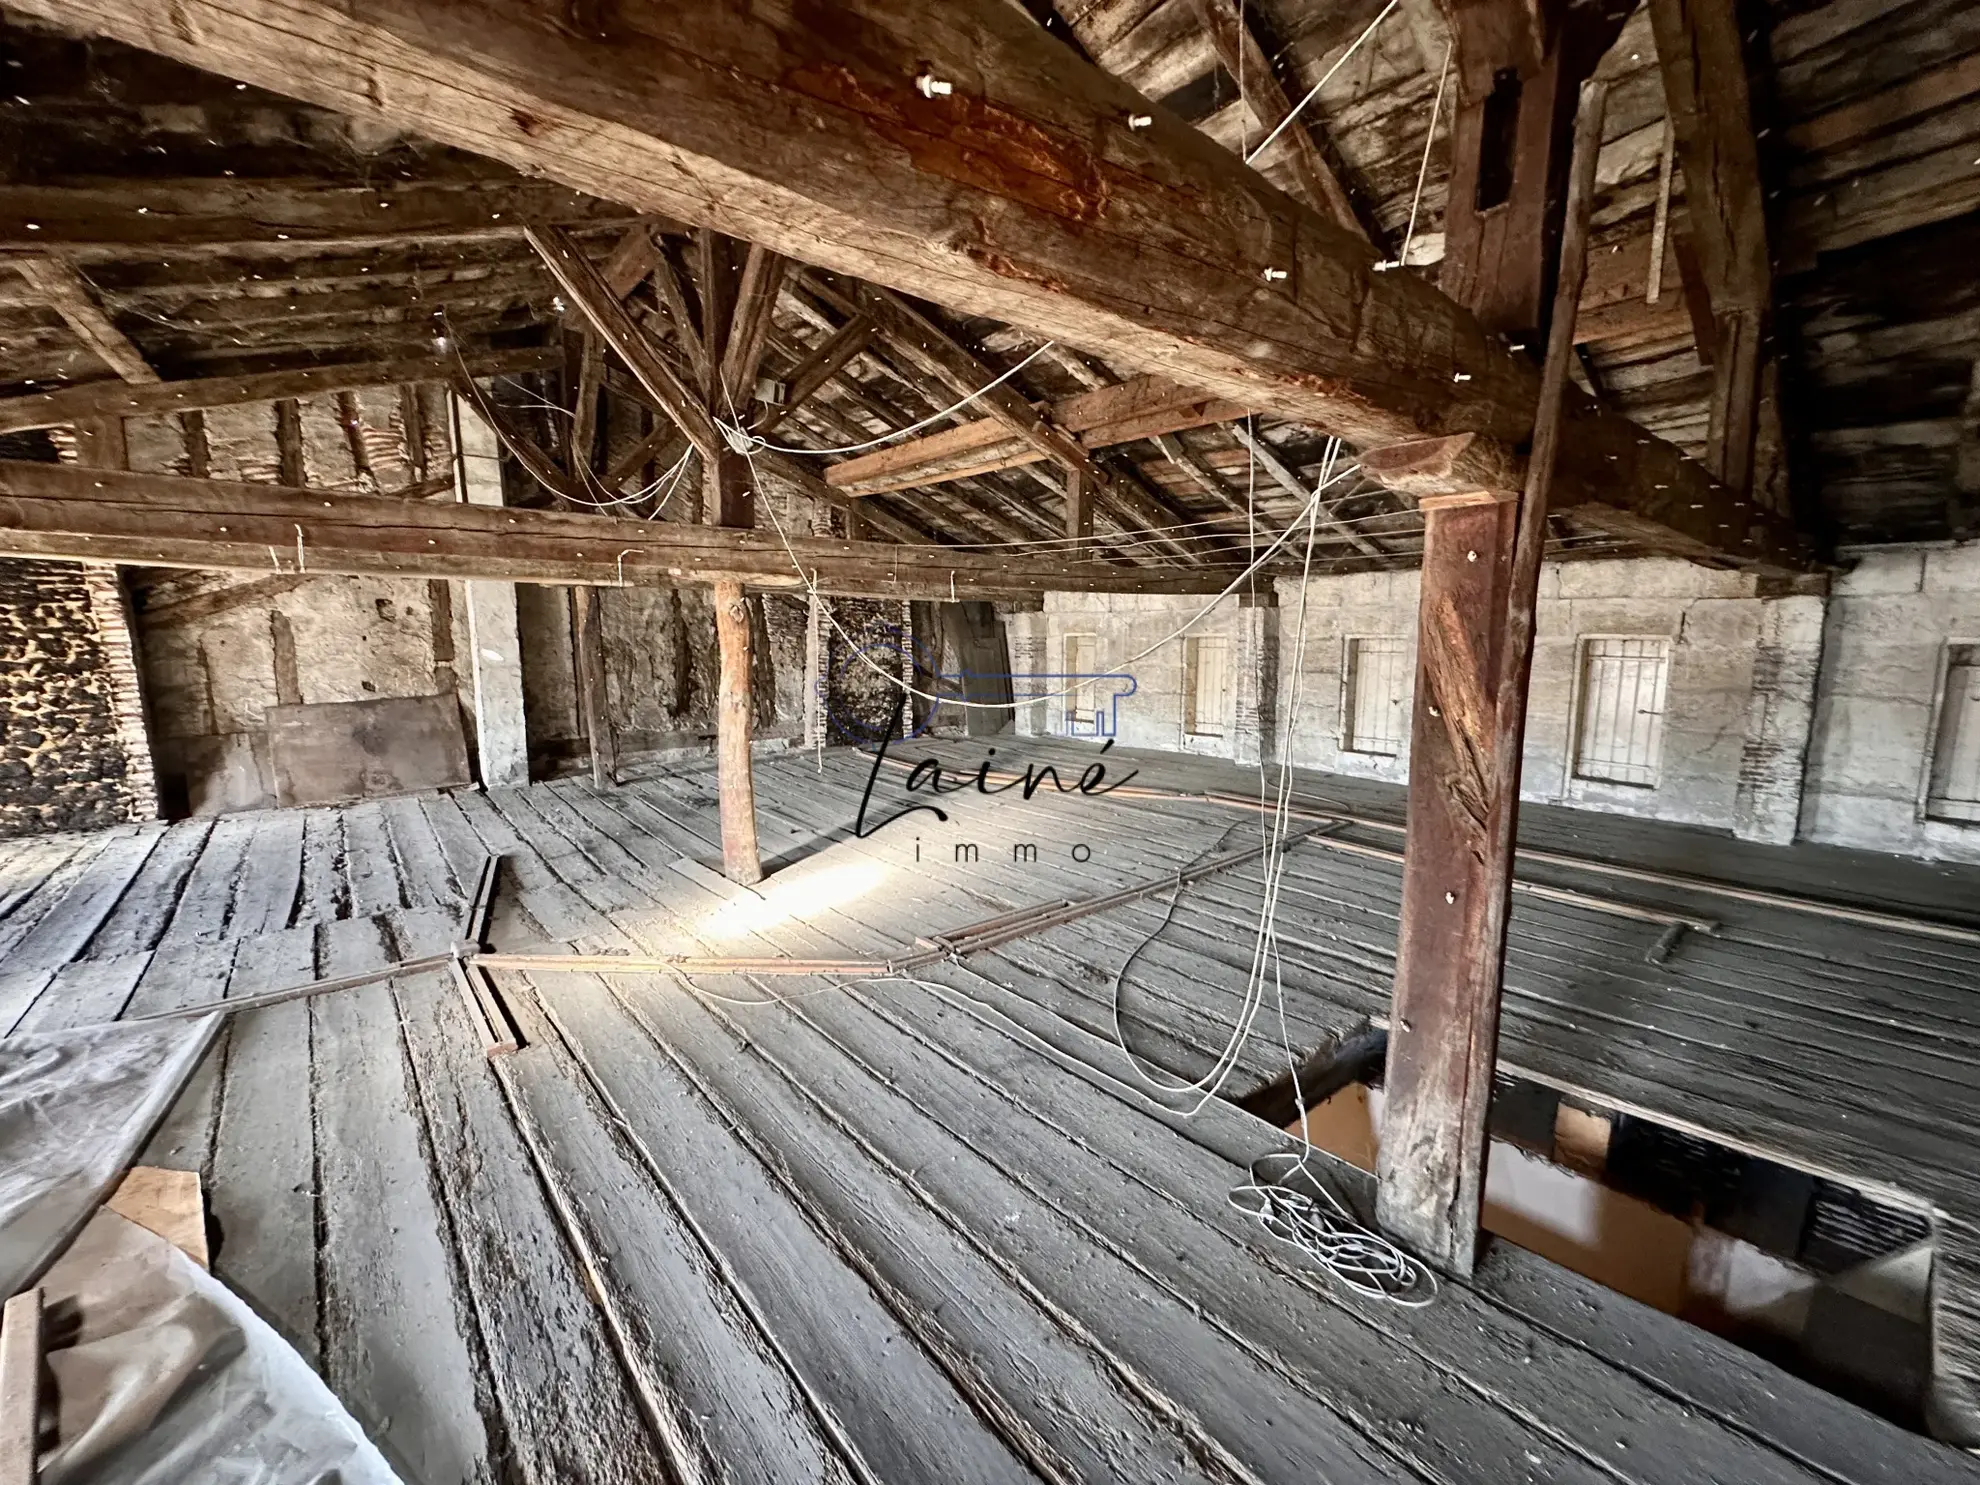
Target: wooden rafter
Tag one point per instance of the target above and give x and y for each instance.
(109, 217)
(609, 317)
(1143, 245)
(91, 515)
(1234, 35)
(109, 399)
(69, 294)
(1704, 69)
(1143, 407)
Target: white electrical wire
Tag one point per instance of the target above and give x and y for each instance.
(743, 441)
(1423, 168)
(1314, 91)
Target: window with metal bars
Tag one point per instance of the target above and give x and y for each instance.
(1619, 733)
(1373, 674)
(1206, 685)
(1955, 788)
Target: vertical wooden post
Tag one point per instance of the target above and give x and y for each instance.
(101, 444)
(20, 1387)
(592, 701)
(494, 642)
(1079, 511)
(291, 469)
(1481, 572)
(737, 785)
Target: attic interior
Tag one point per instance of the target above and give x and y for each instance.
(1011, 740)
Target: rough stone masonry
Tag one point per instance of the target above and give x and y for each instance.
(63, 760)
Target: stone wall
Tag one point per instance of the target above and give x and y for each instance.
(63, 761)
(1738, 706)
(1890, 621)
(1137, 679)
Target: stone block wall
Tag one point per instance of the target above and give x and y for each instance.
(1140, 652)
(63, 758)
(1890, 621)
(1738, 702)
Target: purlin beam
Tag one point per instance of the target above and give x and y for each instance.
(63, 512)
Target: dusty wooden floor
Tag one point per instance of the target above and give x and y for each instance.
(773, 1229)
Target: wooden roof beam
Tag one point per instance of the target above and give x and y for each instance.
(1234, 35)
(69, 294)
(124, 400)
(1021, 193)
(1143, 407)
(121, 217)
(95, 515)
(1711, 115)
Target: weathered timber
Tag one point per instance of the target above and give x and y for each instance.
(113, 399)
(1233, 35)
(592, 706)
(111, 216)
(1143, 407)
(1704, 68)
(740, 859)
(615, 325)
(70, 296)
(52, 510)
(1481, 575)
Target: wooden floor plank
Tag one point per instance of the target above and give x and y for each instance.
(145, 911)
(566, 1400)
(883, 1393)
(87, 992)
(207, 901)
(272, 875)
(397, 1342)
(65, 930)
(262, 1188)
(723, 1398)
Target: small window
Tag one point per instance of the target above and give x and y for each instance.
(1083, 697)
(1373, 695)
(1955, 792)
(1206, 686)
(1620, 734)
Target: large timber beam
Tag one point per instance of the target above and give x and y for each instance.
(160, 520)
(1481, 571)
(1017, 189)
(1143, 407)
(1711, 116)
(115, 216)
(130, 400)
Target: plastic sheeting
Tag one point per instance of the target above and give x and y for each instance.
(76, 1107)
(160, 1374)
(163, 1375)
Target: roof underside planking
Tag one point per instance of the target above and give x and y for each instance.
(224, 229)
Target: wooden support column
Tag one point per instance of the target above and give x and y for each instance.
(740, 861)
(1711, 119)
(1079, 511)
(588, 637)
(494, 646)
(1481, 571)
(738, 285)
